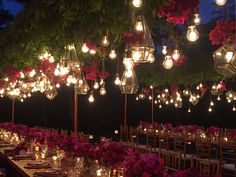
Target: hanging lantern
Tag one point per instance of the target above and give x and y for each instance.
(168, 62)
(117, 80)
(225, 60)
(141, 50)
(91, 97)
(137, 3)
(221, 2)
(192, 34)
(82, 89)
(193, 99)
(176, 54)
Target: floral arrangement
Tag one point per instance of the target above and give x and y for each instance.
(213, 130)
(222, 31)
(145, 165)
(189, 173)
(178, 11)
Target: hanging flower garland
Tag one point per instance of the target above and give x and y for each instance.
(222, 31)
(178, 11)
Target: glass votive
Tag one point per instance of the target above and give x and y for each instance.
(116, 132)
(43, 155)
(99, 172)
(36, 156)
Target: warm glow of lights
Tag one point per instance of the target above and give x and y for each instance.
(209, 109)
(92, 51)
(176, 54)
(150, 97)
(137, 98)
(58, 85)
(112, 54)
(218, 98)
(164, 49)
(105, 41)
(229, 56)
(197, 19)
(212, 103)
(91, 97)
(139, 26)
(117, 80)
(151, 58)
(189, 110)
(192, 34)
(136, 55)
(221, 2)
(84, 48)
(32, 73)
(160, 106)
(96, 85)
(234, 108)
(168, 62)
(103, 90)
(137, 3)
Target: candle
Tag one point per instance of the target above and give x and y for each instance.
(36, 148)
(99, 172)
(43, 155)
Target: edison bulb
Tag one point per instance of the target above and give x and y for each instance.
(164, 49)
(160, 106)
(117, 80)
(218, 98)
(229, 56)
(103, 91)
(137, 3)
(92, 51)
(58, 85)
(176, 54)
(105, 41)
(128, 73)
(150, 58)
(112, 54)
(96, 85)
(192, 34)
(209, 109)
(139, 26)
(91, 97)
(56, 72)
(197, 19)
(189, 110)
(221, 2)
(168, 62)
(212, 103)
(84, 48)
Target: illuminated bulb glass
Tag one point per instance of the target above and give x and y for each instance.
(229, 56)
(29, 95)
(168, 62)
(189, 110)
(96, 85)
(212, 103)
(21, 100)
(105, 41)
(192, 34)
(51, 59)
(155, 101)
(22, 75)
(56, 72)
(218, 98)
(151, 58)
(32, 73)
(57, 85)
(112, 54)
(136, 55)
(117, 80)
(84, 48)
(221, 2)
(139, 26)
(197, 19)
(167, 102)
(176, 54)
(91, 97)
(6, 79)
(103, 91)
(209, 109)
(229, 101)
(92, 51)
(150, 97)
(164, 49)
(129, 73)
(137, 3)
(101, 81)
(234, 108)
(171, 101)
(137, 98)
(160, 106)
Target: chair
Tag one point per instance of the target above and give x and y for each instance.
(206, 166)
(228, 159)
(151, 139)
(203, 149)
(172, 160)
(133, 134)
(163, 141)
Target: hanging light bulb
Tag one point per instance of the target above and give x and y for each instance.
(160, 106)
(164, 50)
(139, 26)
(84, 48)
(91, 97)
(192, 33)
(105, 41)
(197, 19)
(117, 80)
(137, 98)
(221, 2)
(103, 90)
(96, 85)
(112, 54)
(176, 54)
(57, 85)
(92, 51)
(32, 73)
(218, 98)
(234, 108)
(137, 3)
(229, 56)
(150, 97)
(151, 58)
(209, 109)
(212, 103)
(168, 62)
(189, 110)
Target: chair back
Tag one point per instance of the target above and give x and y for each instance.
(206, 166)
(172, 160)
(163, 142)
(203, 149)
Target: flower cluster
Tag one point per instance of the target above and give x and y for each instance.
(190, 172)
(213, 130)
(145, 165)
(222, 31)
(178, 11)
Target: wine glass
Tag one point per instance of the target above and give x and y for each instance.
(60, 156)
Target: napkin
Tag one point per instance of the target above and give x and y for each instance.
(38, 165)
(23, 157)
